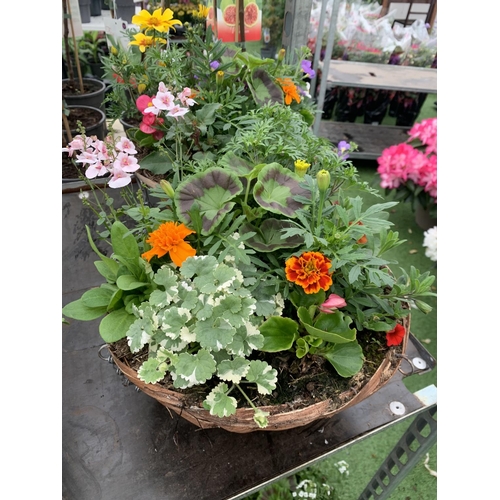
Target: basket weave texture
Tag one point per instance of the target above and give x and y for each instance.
(280, 416)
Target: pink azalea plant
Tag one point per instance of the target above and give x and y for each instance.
(108, 157)
(411, 167)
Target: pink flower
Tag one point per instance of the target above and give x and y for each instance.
(162, 101)
(125, 162)
(96, 170)
(185, 98)
(176, 111)
(126, 145)
(143, 102)
(76, 144)
(119, 178)
(332, 304)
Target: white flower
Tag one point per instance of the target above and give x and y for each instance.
(430, 243)
(83, 195)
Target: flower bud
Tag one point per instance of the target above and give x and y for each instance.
(167, 188)
(332, 304)
(260, 418)
(219, 77)
(301, 167)
(323, 179)
(281, 55)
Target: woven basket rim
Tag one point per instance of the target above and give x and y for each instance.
(280, 416)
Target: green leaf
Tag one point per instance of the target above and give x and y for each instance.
(263, 375)
(347, 359)
(157, 163)
(152, 371)
(332, 327)
(109, 267)
(214, 335)
(129, 282)
(219, 403)
(114, 326)
(263, 88)
(268, 237)
(194, 369)
(125, 246)
(233, 370)
(276, 189)
(97, 297)
(279, 333)
(212, 192)
(79, 311)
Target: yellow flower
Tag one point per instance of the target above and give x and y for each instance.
(144, 41)
(301, 167)
(114, 51)
(141, 87)
(202, 12)
(169, 238)
(156, 21)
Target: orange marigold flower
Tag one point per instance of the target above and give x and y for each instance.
(395, 336)
(289, 89)
(310, 271)
(169, 238)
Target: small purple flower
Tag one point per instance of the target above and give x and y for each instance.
(342, 149)
(214, 65)
(306, 68)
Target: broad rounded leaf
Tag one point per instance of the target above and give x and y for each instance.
(79, 311)
(330, 327)
(279, 333)
(114, 326)
(347, 359)
(276, 188)
(211, 191)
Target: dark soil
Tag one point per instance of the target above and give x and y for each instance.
(301, 382)
(72, 88)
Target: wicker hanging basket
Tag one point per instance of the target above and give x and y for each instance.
(280, 416)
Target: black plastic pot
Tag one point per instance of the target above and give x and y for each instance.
(95, 8)
(94, 98)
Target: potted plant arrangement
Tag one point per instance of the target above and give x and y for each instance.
(410, 170)
(255, 293)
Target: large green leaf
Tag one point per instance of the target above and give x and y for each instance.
(114, 326)
(279, 333)
(212, 192)
(332, 327)
(268, 238)
(79, 311)
(97, 297)
(347, 359)
(276, 188)
(125, 246)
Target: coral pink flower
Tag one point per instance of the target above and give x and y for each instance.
(143, 102)
(185, 97)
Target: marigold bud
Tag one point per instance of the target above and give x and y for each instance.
(301, 167)
(167, 188)
(323, 179)
(219, 77)
(281, 54)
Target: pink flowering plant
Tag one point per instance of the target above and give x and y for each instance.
(112, 157)
(410, 168)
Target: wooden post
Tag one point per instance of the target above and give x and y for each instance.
(75, 48)
(295, 27)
